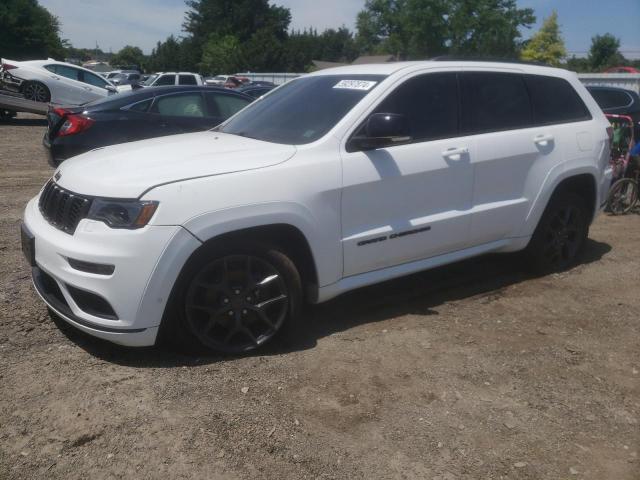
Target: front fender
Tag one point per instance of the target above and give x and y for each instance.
(324, 249)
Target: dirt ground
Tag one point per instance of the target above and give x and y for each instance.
(473, 371)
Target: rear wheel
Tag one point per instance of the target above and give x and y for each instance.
(560, 235)
(37, 92)
(622, 196)
(234, 300)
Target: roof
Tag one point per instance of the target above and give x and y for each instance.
(393, 67)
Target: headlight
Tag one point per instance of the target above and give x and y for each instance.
(122, 213)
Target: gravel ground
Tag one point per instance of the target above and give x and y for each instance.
(473, 371)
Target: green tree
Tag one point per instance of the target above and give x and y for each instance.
(487, 27)
(604, 52)
(415, 29)
(407, 28)
(28, 31)
(546, 46)
(128, 55)
(221, 55)
(580, 65)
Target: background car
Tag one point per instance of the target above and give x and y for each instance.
(622, 70)
(126, 78)
(165, 79)
(147, 113)
(55, 82)
(255, 91)
(618, 101)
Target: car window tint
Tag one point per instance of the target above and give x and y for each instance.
(611, 98)
(51, 68)
(165, 80)
(141, 106)
(227, 105)
(494, 102)
(180, 105)
(94, 80)
(554, 100)
(68, 72)
(187, 80)
(429, 103)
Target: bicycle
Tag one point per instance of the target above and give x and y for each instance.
(623, 194)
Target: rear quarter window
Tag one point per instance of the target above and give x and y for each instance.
(554, 100)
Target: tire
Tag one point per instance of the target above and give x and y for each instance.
(36, 92)
(233, 299)
(560, 236)
(623, 195)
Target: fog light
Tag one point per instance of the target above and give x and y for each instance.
(89, 267)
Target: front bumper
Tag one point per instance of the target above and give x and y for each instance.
(137, 290)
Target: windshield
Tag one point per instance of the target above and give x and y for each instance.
(302, 110)
(149, 80)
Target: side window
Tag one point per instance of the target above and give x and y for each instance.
(51, 68)
(94, 80)
(429, 103)
(611, 98)
(555, 101)
(141, 107)
(187, 80)
(180, 105)
(165, 80)
(221, 105)
(68, 72)
(494, 102)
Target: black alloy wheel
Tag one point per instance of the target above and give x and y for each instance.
(560, 235)
(238, 302)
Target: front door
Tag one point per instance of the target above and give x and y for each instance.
(409, 202)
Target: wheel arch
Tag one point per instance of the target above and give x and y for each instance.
(581, 181)
(285, 237)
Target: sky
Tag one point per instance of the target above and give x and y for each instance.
(116, 23)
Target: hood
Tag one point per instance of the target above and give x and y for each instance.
(129, 169)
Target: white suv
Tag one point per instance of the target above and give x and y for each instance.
(333, 181)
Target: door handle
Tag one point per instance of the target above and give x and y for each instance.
(87, 88)
(55, 78)
(543, 139)
(455, 153)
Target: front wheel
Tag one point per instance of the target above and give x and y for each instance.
(622, 196)
(234, 300)
(560, 235)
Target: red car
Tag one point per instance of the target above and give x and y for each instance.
(622, 70)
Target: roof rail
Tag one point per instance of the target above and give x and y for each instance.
(454, 58)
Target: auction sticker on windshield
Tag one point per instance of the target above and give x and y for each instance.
(355, 84)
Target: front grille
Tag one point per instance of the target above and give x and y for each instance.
(61, 208)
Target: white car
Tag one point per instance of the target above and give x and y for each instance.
(333, 181)
(55, 82)
(165, 79)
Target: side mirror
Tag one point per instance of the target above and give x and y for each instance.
(382, 130)
(111, 89)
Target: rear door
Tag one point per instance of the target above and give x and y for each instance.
(511, 152)
(181, 113)
(221, 106)
(69, 89)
